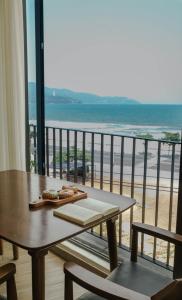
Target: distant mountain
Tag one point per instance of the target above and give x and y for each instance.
(50, 96)
(54, 95)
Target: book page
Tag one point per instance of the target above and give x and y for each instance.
(77, 214)
(99, 206)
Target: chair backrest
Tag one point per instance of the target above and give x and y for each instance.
(173, 291)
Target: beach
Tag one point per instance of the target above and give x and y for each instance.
(128, 131)
(168, 176)
(116, 128)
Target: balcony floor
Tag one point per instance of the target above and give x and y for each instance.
(54, 269)
(100, 248)
(54, 275)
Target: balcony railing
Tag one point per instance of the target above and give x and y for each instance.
(145, 169)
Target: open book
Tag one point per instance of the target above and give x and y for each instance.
(85, 211)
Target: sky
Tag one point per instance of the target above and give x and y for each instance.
(129, 48)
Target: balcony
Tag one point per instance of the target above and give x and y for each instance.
(145, 169)
(110, 49)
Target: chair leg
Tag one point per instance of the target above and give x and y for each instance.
(68, 290)
(11, 289)
(15, 252)
(1, 247)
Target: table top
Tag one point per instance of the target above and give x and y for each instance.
(39, 229)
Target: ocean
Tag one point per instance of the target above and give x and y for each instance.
(123, 119)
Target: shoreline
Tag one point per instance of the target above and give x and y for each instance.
(109, 128)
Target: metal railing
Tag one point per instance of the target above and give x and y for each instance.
(145, 169)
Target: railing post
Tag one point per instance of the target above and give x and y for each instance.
(121, 165)
(111, 162)
(92, 159)
(75, 158)
(47, 150)
(60, 153)
(157, 195)
(101, 160)
(144, 189)
(171, 199)
(68, 154)
(178, 250)
(83, 159)
(54, 152)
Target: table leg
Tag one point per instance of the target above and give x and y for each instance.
(112, 243)
(15, 252)
(38, 274)
(1, 247)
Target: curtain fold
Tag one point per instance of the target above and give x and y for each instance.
(12, 86)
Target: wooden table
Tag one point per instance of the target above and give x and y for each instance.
(38, 230)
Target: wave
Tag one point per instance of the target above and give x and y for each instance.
(123, 129)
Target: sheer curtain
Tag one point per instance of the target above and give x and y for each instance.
(12, 95)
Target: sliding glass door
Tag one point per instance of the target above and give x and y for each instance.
(105, 102)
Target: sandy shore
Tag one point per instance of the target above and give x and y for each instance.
(165, 218)
(150, 210)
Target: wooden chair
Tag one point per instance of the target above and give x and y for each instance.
(7, 275)
(131, 280)
(15, 250)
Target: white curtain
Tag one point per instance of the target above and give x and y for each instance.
(12, 96)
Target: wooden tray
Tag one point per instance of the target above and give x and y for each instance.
(58, 202)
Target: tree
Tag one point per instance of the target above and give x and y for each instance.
(32, 136)
(171, 137)
(72, 154)
(145, 136)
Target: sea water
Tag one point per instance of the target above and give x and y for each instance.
(119, 119)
